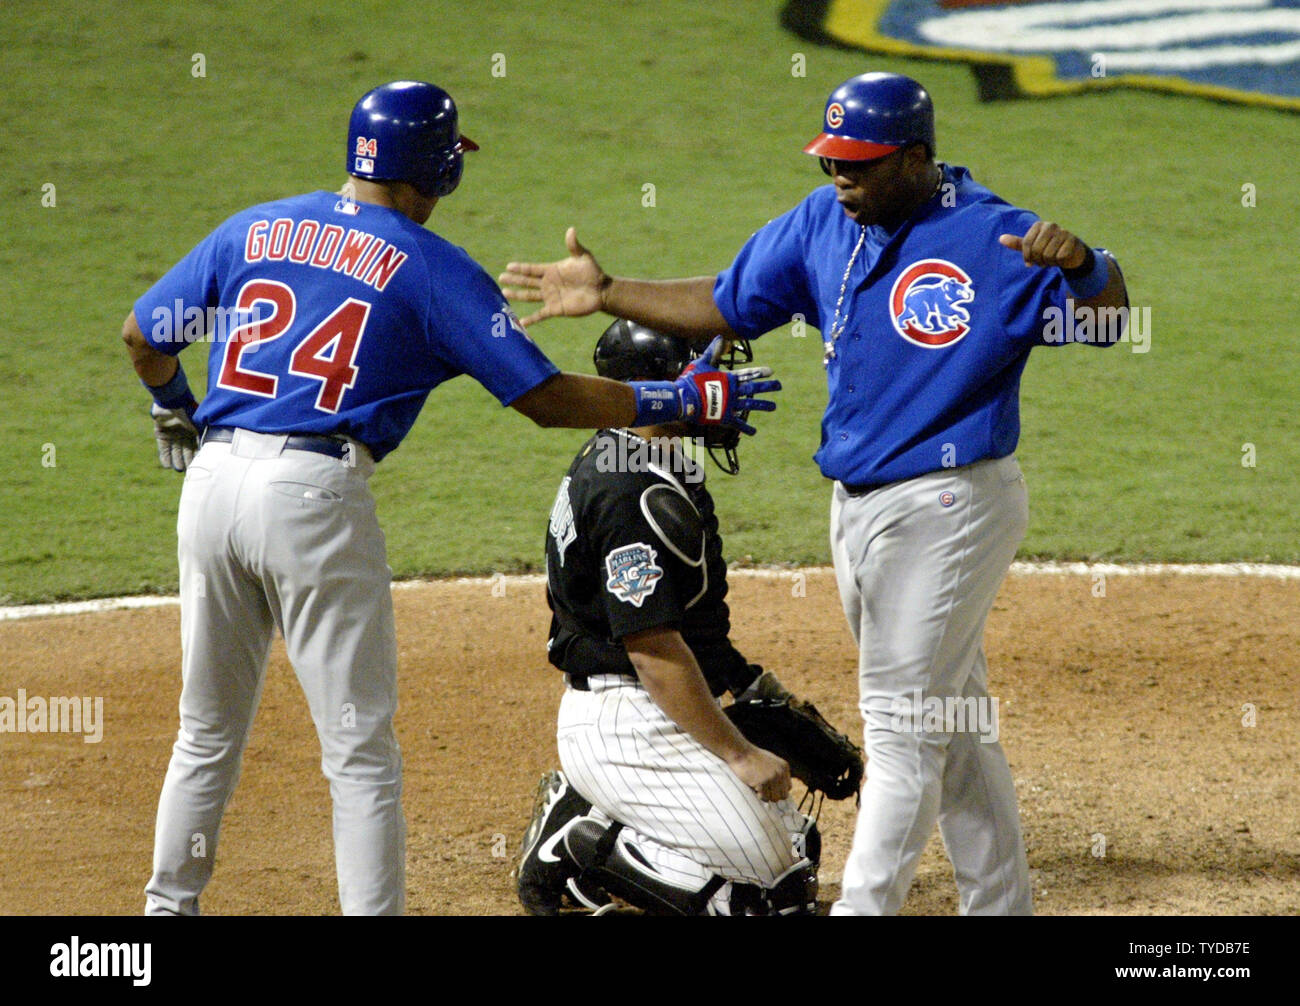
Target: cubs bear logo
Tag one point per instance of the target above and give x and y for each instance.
(927, 303)
(633, 574)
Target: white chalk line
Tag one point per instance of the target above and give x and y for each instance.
(1225, 569)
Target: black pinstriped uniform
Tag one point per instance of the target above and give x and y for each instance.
(636, 548)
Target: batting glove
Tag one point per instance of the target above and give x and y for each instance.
(177, 436)
(719, 397)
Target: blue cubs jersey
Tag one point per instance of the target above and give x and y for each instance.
(325, 315)
(938, 321)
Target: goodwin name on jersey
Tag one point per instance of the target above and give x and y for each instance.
(308, 242)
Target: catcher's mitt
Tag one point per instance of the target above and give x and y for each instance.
(819, 755)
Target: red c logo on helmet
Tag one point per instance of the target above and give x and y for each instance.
(834, 115)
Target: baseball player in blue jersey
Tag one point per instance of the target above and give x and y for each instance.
(330, 318)
(930, 291)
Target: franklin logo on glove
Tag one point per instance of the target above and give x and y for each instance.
(714, 400)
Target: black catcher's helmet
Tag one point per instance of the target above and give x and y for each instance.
(631, 352)
(627, 351)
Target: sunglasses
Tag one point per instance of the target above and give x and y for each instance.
(849, 169)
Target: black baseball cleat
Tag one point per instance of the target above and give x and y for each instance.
(544, 865)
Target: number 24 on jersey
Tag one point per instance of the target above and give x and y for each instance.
(328, 353)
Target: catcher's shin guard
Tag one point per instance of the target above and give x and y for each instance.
(610, 863)
(793, 893)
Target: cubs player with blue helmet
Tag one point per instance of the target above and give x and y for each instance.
(330, 317)
(930, 291)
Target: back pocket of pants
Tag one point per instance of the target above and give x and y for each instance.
(306, 493)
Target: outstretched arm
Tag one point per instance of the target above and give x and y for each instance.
(577, 286)
(700, 394)
(579, 401)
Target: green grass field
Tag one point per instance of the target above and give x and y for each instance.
(1129, 456)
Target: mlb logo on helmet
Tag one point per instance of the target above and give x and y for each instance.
(927, 302)
(365, 164)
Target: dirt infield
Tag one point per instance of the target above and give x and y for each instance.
(1153, 734)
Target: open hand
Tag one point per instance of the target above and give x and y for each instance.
(712, 396)
(571, 287)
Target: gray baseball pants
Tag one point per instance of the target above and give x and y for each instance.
(275, 538)
(918, 565)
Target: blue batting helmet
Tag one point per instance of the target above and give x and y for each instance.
(872, 115)
(408, 131)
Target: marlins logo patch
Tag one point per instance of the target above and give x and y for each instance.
(632, 573)
(928, 303)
